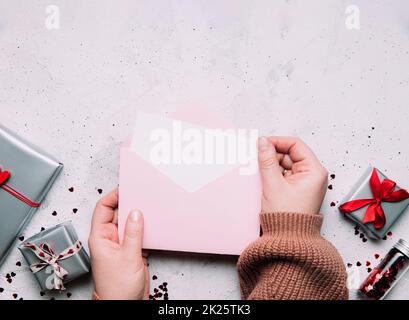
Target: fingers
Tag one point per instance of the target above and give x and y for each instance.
(133, 236)
(295, 148)
(270, 170)
(285, 161)
(105, 209)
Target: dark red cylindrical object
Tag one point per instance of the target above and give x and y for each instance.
(385, 276)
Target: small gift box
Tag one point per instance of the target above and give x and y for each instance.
(26, 175)
(375, 203)
(56, 256)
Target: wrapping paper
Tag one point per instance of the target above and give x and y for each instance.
(32, 173)
(59, 238)
(392, 210)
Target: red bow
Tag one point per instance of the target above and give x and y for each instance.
(4, 176)
(384, 191)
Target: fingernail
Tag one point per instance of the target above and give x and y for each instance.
(135, 215)
(262, 143)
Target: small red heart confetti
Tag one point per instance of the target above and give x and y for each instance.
(368, 263)
(330, 187)
(389, 234)
(13, 274)
(99, 191)
(1, 290)
(376, 256)
(71, 189)
(54, 213)
(42, 293)
(21, 238)
(75, 210)
(69, 294)
(369, 270)
(358, 264)
(15, 295)
(349, 265)
(18, 264)
(154, 277)
(332, 176)
(332, 204)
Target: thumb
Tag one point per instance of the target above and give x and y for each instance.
(132, 243)
(270, 171)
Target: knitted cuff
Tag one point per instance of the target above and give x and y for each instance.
(300, 225)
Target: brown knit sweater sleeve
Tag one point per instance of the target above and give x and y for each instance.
(291, 261)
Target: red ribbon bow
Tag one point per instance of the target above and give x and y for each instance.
(384, 191)
(4, 176)
(49, 258)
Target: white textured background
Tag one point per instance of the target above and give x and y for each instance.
(286, 67)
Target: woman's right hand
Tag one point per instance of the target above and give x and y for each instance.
(293, 179)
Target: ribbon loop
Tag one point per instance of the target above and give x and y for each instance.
(46, 254)
(4, 176)
(384, 191)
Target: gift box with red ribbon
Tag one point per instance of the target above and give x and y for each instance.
(56, 256)
(375, 203)
(26, 175)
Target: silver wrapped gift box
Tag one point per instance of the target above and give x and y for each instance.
(362, 190)
(32, 173)
(59, 239)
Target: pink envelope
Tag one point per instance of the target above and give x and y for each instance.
(219, 217)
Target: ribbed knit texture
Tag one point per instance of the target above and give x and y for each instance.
(292, 261)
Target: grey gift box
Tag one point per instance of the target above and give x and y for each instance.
(392, 210)
(32, 173)
(59, 238)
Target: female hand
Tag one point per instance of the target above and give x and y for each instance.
(119, 270)
(293, 179)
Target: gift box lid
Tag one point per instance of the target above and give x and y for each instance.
(59, 238)
(32, 173)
